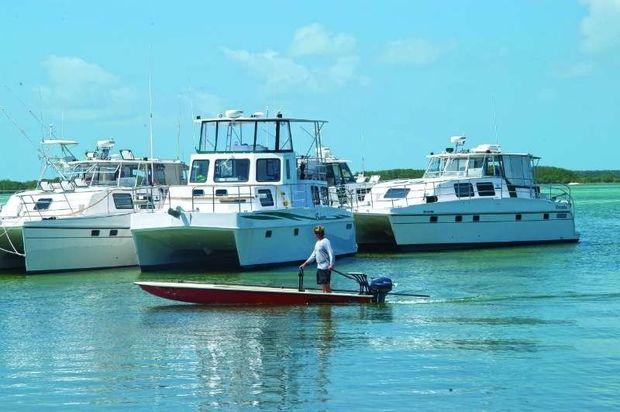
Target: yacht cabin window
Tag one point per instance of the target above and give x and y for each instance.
(199, 172)
(266, 197)
(160, 174)
(463, 190)
(105, 175)
(518, 170)
(475, 166)
(325, 195)
(493, 166)
(268, 170)
(339, 174)
(232, 170)
(435, 167)
(122, 200)
(485, 189)
(316, 197)
(43, 204)
(456, 165)
(396, 193)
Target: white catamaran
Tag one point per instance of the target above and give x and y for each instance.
(250, 200)
(81, 220)
(467, 198)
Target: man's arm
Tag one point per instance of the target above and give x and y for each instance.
(309, 260)
(330, 252)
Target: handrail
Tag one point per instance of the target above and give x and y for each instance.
(418, 191)
(155, 199)
(245, 196)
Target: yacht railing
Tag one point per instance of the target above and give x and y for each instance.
(142, 198)
(430, 192)
(251, 197)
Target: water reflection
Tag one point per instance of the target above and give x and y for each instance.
(281, 355)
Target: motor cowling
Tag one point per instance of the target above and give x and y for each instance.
(379, 288)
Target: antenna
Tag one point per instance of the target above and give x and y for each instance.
(34, 116)
(494, 120)
(41, 152)
(362, 139)
(178, 138)
(41, 108)
(151, 115)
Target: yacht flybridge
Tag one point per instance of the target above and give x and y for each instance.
(467, 198)
(80, 219)
(250, 201)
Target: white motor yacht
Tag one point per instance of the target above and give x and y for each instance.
(250, 200)
(467, 198)
(81, 220)
(345, 190)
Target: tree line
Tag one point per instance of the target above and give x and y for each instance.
(544, 174)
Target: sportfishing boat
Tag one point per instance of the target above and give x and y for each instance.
(227, 294)
(345, 190)
(467, 198)
(250, 200)
(81, 219)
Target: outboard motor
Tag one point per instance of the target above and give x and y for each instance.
(379, 288)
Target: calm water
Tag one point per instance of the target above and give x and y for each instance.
(530, 327)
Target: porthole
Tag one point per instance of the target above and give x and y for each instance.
(94, 232)
(546, 216)
(296, 232)
(433, 219)
(458, 218)
(268, 233)
(476, 218)
(518, 216)
(113, 232)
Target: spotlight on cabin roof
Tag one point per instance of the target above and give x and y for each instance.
(233, 114)
(459, 139)
(257, 115)
(105, 144)
(487, 148)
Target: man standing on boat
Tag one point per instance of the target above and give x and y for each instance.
(324, 256)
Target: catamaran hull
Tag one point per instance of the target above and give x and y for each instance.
(11, 248)
(77, 243)
(209, 294)
(247, 240)
(467, 224)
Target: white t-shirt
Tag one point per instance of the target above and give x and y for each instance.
(323, 254)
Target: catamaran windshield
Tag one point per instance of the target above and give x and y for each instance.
(435, 167)
(245, 136)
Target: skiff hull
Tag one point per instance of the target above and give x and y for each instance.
(212, 294)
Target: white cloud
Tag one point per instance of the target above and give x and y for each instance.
(600, 29)
(414, 51)
(285, 73)
(202, 102)
(84, 90)
(278, 71)
(578, 69)
(314, 39)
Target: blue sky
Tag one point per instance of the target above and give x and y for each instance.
(395, 79)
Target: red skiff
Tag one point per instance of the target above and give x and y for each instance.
(213, 294)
